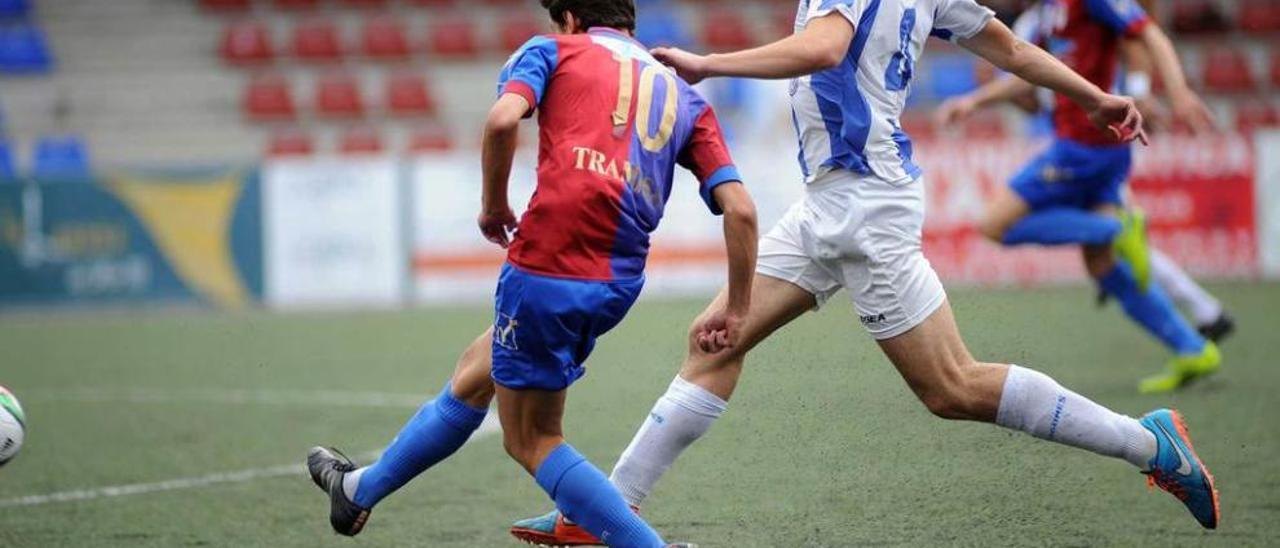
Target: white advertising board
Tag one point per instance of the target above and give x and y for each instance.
(332, 233)
(1268, 196)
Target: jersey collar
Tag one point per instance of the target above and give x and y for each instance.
(615, 32)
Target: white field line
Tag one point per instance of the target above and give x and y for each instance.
(342, 398)
(489, 427)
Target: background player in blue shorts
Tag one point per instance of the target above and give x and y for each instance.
(613, 124)
(1073, 193)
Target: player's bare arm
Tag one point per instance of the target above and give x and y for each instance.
(722, 328)
(1187, 106)
(1000, 90)
(998, 45)
(501, 130)
(1138, 71)
(821, 45)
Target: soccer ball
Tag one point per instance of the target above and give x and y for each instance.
(12, 426)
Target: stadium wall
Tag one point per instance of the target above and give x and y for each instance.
(1209, 204)
(384, 231)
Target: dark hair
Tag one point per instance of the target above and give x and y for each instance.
(614, 14)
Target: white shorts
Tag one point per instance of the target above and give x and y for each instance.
(861, 233)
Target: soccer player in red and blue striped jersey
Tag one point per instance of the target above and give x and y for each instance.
(1072, 194)
(613, 124)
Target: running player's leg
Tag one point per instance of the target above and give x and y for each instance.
(1204, 309)
(1040, 207)
(439, 428)
(436, 431)
(1152, 310)
(700, 393)
(933, 360)
(1206, 312)
(532, 435)
(547, 328)
(788, 284)
(918, 333)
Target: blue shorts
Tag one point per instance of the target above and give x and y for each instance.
(545, 328)
(1070, 174)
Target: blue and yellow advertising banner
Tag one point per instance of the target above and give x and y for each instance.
(190, 237)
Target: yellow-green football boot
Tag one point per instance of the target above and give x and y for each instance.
(1182, 370)
(1131, 245)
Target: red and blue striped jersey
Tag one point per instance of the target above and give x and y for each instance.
(612, 124)
(1086, 34)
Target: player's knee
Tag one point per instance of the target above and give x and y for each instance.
(471, 380)
(949, 396)
(699, 361)
(944, 404)
(520, 448)
(530, 449)
(992, 229)
(1098, 260)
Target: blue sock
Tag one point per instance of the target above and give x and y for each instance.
(585, 495)
(1061, 225)
(1153, 310)
(438, 429)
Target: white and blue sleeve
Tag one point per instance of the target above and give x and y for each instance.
(959, 19)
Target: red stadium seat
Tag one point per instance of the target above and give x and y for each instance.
(225, 5)
(724, 30)
(290, 143)
(1259, 16)
(454, 37)
(360, 140)
(337, 95)
(384, 38)
(1198, 17)
(407, 95)
(364, 4)
(246, 42)
(317, 40)
(269, 98)
(517, 29)
(1227, 70)
(1256, 115)
(429, 139)
(295, 4)
(431, 3)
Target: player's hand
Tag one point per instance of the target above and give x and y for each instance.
(689, 66)
(1120, 116)
(954, 110)
(720, 331)
(1190, 110)
(497, 224)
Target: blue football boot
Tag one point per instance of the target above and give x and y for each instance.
(1178, 470)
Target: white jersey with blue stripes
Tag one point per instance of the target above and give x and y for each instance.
(846, 117)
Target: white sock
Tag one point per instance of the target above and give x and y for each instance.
(679, 418)
(1036, 404)
(351, 481)
(1184, 291)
